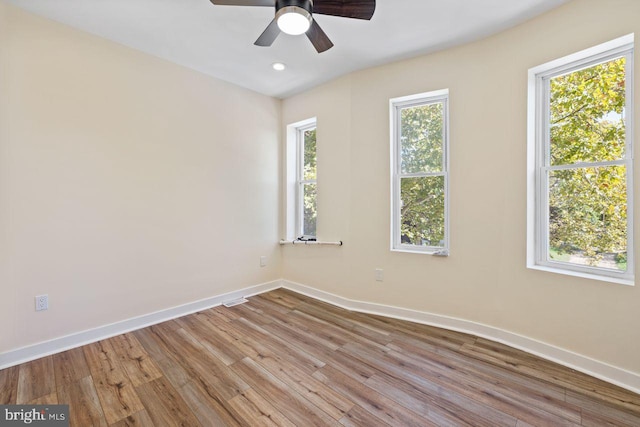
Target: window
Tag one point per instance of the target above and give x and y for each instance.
(580, 164)
(301, 179)
(419, 187)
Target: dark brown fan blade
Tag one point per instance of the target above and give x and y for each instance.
(269, 35)
(359, 9)
(318, 37)
(271, 3)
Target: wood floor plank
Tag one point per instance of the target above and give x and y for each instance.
(268, 344)
(606, 410)
(507, 398)
(199, 363)
(358, 417)
(430, 334)
(594, 419)
(224, 314)
(496, 373)
(551, 372)
(251, 313)
(174, 372)
(117, 395)
(209, 408)
(83, 401)
(285, 359)
(452, 409)
(294, 406)
(164, 404)
(203, 389)
(199, 326)
(134, 359)
(295, 339)
(36, 379)
(325, 398)
(256, 342)
(426, 373)
(267, 305)
(9, 385)
(370, 400)
(351, 366)
(70, 366)
(303, 335)
(284, 298)
(258, 411)
(139, 419)
(150, 345)
(547, 397)
(337, 318)
(50, 399)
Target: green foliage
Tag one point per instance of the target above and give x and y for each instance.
(309, 155)
(422, 198)
(587, 205)
(310, 207)
(422, 210)
(421, 138)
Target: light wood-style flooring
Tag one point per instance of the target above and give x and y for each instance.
(284, 359)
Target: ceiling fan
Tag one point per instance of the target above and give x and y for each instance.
(296, 17)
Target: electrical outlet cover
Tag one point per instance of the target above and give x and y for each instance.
(42, 302)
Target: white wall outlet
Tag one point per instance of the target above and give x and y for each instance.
(263, 261)
(379, 275)
(42, 302)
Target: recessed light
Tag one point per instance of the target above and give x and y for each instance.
(278, 66)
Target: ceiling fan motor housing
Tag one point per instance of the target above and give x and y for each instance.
(306, 5)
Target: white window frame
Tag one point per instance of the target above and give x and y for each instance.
(295, 177)
(395, 106)
(538, 159)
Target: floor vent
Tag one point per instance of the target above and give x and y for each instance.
(235, 302)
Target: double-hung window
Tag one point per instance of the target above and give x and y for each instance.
(580, 160)
(301, 180)
(419, 173)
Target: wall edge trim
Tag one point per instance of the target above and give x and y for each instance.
(611, 374)
(77, 339)
(601, 370)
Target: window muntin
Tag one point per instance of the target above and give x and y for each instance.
(419, 172)
(307, 185)
(583, 166)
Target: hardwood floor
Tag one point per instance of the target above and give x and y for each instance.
(284, 359)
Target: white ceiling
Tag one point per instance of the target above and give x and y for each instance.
(218, 40)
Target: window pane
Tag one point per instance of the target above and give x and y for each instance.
(309, 154)
(588, 217)
(421, 138)
(587, 114)
(309, 215)
(422, 211)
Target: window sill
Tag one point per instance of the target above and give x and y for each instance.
(618, 280)
(296, 242)
(434, 252)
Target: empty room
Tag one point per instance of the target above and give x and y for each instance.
(319, 213)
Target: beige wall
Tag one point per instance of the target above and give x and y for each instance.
(485, 279)
(127, 184)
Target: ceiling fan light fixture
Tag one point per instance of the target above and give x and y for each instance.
(293, 20)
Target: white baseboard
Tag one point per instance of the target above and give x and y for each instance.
(57, 345)
(620, 377)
